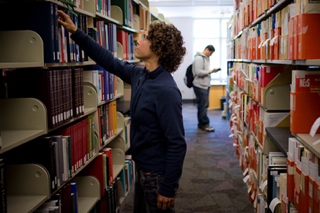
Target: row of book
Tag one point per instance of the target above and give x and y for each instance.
(255, 80)
(60, 90)
(269, 175)
(248, 11)
(58, 46)
(105, 82)
(68, 200)
(286, 34)
(107, 116)
(284, 184)
(62, 153)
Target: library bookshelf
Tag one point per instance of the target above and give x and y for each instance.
(80, 129)
(267, 64)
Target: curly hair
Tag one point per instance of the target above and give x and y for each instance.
(166, 42)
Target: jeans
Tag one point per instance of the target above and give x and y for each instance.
(202, 99)
(146, 192)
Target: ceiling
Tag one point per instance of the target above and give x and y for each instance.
(193, 8)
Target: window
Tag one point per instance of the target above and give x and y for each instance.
(212, 31)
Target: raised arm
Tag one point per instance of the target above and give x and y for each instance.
(98, 53)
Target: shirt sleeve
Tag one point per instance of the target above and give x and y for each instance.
(169, 109)
(103, 57)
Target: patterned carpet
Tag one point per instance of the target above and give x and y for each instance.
(212, 180)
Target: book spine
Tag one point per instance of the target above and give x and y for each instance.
(90, 135)
(3, 189)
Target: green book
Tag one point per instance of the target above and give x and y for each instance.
(90, 135)
(123, 4)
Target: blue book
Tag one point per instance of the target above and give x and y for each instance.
(74, 191)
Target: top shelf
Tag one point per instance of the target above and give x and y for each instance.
(311, 62)
(278, 6)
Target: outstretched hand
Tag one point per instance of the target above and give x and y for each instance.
(66, 22)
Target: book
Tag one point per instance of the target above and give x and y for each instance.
(3, 186)
(36, 16)
(108, 151)
(96, 169)
(273, 176)
(124, 5)
(39, 151)
(75, 198)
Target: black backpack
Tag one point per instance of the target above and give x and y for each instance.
(188, 79)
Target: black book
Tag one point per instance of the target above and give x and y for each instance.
(36, 16)
(3, 188)
(38, 151)
(273, 171)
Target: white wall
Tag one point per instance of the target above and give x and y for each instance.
(185, 25)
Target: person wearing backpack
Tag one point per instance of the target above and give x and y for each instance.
(201, 85)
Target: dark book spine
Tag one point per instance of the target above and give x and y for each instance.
(3, 189)
(56, 32)
(81, 91)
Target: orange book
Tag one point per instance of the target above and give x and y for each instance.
(316, 197)
(304, 195)
(304, 110)
(308, 36)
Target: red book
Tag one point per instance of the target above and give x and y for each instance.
(80, 143)
(268, 73)
(96, 169)
(73, 148)
(121, 38)
(108, 151)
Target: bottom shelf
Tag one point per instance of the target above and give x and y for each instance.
(26, 203)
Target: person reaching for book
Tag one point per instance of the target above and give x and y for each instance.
(158, 144)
